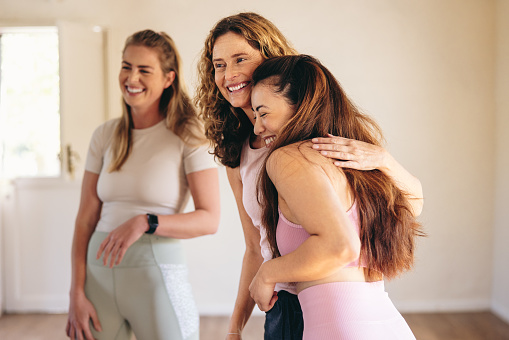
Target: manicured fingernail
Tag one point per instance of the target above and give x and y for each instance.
(324, 153)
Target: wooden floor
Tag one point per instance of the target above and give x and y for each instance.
(433, 326)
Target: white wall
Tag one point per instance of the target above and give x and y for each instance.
(500, 298)
(425, 70)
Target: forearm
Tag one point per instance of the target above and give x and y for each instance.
(405, 181)
(187, 225)
(81, 239)
(244, 304)
(312, 260)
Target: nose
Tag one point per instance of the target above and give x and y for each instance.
(133, 76)
(258, 126)
(230, 72)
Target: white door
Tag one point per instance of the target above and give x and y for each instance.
(82, 88)
(38, 213)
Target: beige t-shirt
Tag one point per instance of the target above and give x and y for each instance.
(152, 180)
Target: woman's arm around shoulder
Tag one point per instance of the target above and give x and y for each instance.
(355, 154)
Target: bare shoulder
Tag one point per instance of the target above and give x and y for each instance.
(300, 167)
(301, 157)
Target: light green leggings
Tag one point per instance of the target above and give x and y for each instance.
(148, 293)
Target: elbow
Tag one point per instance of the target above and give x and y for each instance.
(209, 229)
(416, 205)
(212, 224)
(212, 229)
(417, 202)
(347, 252)
(209, 219)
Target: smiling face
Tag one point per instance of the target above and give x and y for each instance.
(234, 62)
(271, 111)
(141, 78)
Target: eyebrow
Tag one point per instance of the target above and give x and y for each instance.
(140, 66)
(232, 56)
(259, 106)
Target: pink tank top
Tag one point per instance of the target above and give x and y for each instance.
(289, 235)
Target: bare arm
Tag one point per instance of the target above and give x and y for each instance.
(204, 220)
(252, 260)
(80, 309)
(333, 242)
(350, 153)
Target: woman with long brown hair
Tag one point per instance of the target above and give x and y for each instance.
(335, 232)
(129, 273)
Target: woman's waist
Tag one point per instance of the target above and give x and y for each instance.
(147, 250)
(113, 214)
(349, 274)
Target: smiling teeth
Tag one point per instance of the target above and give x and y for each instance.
(133, 90)
(238, 87)
(269, 140)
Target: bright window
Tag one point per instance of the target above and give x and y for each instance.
(29, 103)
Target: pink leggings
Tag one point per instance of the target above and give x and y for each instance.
(351, 311)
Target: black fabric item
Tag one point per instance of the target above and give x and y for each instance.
(284, 321)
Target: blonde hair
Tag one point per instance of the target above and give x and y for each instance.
(225, 126)
(175, 104)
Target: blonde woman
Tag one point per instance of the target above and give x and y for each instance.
(129, 274)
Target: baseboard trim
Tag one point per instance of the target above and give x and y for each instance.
(501, 311)
(222, 310)
(434, 306)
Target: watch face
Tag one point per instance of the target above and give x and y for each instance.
(152, 219)
(153, 222)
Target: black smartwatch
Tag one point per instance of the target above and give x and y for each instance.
(153, 222)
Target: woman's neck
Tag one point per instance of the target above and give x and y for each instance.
(143, 120)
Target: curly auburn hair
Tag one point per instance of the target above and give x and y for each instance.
(388, 226)
(225, 126)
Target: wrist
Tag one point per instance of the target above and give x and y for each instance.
(76, 293)
(387, 162)
(235, 326)
(263, 273)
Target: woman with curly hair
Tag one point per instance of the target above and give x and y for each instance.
(235, 46)
(129, 273)
(362, 228)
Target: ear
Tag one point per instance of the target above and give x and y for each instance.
(170, 77)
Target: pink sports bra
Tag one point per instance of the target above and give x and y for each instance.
(289, 235)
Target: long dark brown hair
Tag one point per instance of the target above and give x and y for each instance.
(387, 225)
(228, 127)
